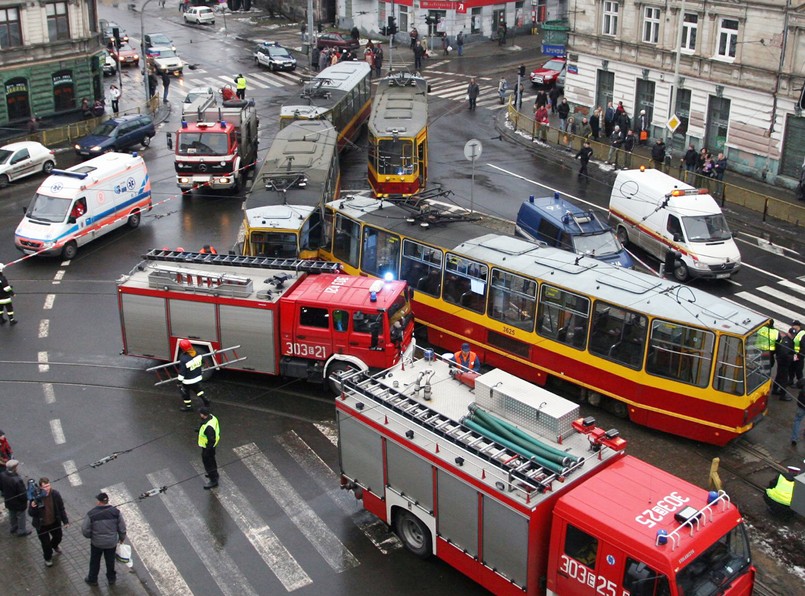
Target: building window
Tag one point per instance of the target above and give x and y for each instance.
(690, 27)
(58, 25)
(651, 25)
(402, 24)
(10, 29)
(475, 23)
(610, 24)
(727, 38)
(63, 91)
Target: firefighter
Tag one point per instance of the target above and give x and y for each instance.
(240, 86)
(209, 433)
(780, 492)
(190, 365)
(228, 93)
(468, 359)
(6, 293)
(208, 249)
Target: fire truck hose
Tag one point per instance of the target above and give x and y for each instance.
(566, 458)
(497, 426)
(554, 467)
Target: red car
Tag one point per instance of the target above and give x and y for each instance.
(551, 73)
(126, 55)
(336, 40)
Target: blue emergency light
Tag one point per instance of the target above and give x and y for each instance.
(69, 174)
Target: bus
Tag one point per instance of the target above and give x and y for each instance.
(398, 136)
(340, 94)
(665, 355)
(283, 209)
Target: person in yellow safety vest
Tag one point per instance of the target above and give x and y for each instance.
(240, 86)
(190, 372)
(798, 360)
(467, 358)
(780, 492)
(768, 336)
(209, 433)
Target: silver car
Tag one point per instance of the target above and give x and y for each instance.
(198, 98)
(19, 160)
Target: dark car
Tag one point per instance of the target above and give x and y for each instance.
(108, 28)
(117, 134)
(336, 40)
(158, 39)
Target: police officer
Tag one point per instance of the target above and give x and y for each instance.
(780, 491)
(240, 86)
(798, 356)
(190, 365)
(785, 358)
(468, 359)
(768, 336)
(6, 292)
(209, 433)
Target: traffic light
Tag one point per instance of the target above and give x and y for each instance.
(521, 70)
(392, 28)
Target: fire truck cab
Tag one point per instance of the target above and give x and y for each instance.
(288, 317)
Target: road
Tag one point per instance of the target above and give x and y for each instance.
(278, 522)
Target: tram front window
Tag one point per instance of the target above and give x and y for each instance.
(717, 567)
(275, 245)
(395, 157)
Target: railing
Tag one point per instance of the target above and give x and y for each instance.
(725, 192)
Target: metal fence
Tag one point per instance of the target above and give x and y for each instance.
(723, 191)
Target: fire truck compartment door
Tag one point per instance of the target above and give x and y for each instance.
(146, 326)
(505, 541)
(253, 330)
(458, 512)
(194, 320)
(361, 451)
(411, 475)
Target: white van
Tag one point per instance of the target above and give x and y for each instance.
(664, 215)
(77, 205)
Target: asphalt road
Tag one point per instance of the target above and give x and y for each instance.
(280, 523)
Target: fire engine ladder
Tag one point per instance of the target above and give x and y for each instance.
(167, 373)
(197, 258)
(529, 473)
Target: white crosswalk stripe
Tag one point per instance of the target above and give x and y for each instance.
(779, 302)
(220, 565)
(255, 80)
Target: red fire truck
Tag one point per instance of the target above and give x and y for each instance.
(506, 483)
(288, 317)
(216, 148)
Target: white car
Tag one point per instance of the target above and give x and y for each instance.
(198, 98)
(19, 160)
(163, 59)
(199, 15)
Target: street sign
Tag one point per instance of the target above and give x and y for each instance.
(472, 149)
(461, 8)
(553, 50)
(673, 123)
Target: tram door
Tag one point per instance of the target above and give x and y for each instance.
(422, 158)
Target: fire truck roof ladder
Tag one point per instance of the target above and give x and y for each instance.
(197, 258)
(524, 474)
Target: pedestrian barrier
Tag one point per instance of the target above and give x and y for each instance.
(726, 193)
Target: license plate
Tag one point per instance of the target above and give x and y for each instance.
(722, 275)
(84, 152)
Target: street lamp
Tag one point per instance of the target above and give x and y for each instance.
(142, 51)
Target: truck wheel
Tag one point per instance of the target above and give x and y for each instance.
(413, 533)
(334, 374)
(134, 220)
(623, 235)
(47, 168)
(681, 271)
(69, 251)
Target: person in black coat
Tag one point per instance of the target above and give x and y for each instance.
(584, 154)
(784, 353)
(658, 154)
(47, 516)
(15, 496)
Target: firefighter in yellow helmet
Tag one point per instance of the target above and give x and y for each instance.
(190, 367)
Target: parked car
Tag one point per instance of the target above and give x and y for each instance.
(109, 64)
(163, 59)
(19, 160)
(551, 73)
(200, 15)
(127, 55)
(158, 39)
(274, 56)
(117, 134)
(336, 40)
(198, 98)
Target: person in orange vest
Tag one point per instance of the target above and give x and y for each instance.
(208, 249)
(780, 492)
(468, 359)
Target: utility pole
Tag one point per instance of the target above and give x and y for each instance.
(142, 51)
(391, 42)
(310, 35)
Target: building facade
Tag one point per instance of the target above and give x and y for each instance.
(734, 84)
(50, 58)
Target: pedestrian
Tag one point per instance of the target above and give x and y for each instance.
(105, 527)
(473, 91)
(47, 516)
(642, 128)
(564, 111)
(570, 132)
(6, 294)
(585, 130)
(518, 94)
(419, 51)
(584, 154)
(801, 186)
(414, 34)
(209, 433)
(701, 160)
(369, 57)
(378, 59)
(719, 169)
(15, 497)
(355, 34)
(709, 166)
(784, 354)
(152, 84)
(114, 94)
(6, 453)
(780, 492)
(799, 334)
(541, 99)
(86, 110)
(658, 154)
(467, 359)
(303, 32)
(503, 85)
(615, 142)
(324, 59)
(628, 146)
(240, 86)
(190, 375)
(543, 122)
(595, 123)
(181, 6)
(166, 83)
(460, 42)
(609, 119)
(690, 159)
(798, 416)
(334, 57)
(502, 28)
(445, 44)
(33, 125)
(553, 98)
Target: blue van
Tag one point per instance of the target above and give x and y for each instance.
(556, 222)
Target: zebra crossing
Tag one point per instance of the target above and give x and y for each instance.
(783, 301)
(261, 79)
(446, 86)
(254, 534)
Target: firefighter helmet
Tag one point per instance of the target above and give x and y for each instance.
(2, 267)
(185, 345)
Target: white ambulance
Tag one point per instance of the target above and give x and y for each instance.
(74, 206)
(664, 216)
